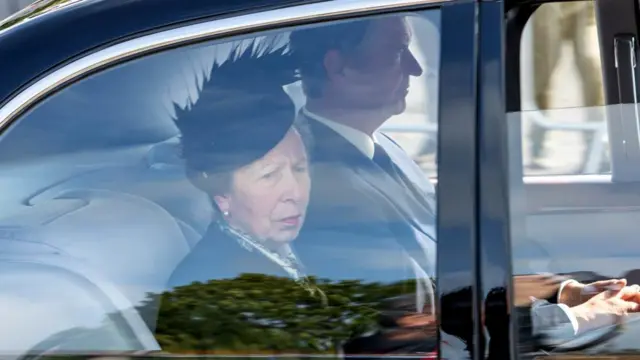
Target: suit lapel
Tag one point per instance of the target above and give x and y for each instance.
(419, 188)
(331, 147)
(414, 174)
(397, 194)
(376, 195)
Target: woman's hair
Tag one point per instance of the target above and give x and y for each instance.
(241, 113)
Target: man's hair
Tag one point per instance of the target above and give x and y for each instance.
(310, 45)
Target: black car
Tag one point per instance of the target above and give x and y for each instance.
(438, 172)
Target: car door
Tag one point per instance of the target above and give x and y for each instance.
(103, 205)
(565, 174)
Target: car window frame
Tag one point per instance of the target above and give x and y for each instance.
(457, 282)
(187, 34)
(624, 160)
(458, 95)
(493, 257)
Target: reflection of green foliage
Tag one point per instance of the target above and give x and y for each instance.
(251, 314)
(254, 313)
(31, 14)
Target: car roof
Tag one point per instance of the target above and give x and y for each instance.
(50, 32)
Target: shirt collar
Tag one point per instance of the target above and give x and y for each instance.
(357, 138)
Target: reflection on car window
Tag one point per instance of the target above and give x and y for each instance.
(564, 123)
(257, 195)
(574, 238)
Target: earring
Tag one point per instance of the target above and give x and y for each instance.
(225, 213)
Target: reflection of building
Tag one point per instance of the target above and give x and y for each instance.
(8, 7)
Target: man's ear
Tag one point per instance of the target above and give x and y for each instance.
(334, 64)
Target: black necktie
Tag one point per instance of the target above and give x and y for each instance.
(383, 160)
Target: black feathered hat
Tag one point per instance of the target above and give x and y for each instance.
(242, 111)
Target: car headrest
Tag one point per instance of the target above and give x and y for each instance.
(157, 176)
(166, 153)
(130, 240)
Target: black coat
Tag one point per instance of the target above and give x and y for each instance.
(360, 217)
(218, 256)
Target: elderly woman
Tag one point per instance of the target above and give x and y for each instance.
(241, 147)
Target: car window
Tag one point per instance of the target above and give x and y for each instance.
(573, 237)
(564, 127)
(259, 194)
(11, 6)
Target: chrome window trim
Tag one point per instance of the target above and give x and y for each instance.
(307, 13)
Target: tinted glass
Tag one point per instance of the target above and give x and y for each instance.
(564, 124)
(574, 237)
(264, 194)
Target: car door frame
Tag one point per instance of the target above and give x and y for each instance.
(457, 263)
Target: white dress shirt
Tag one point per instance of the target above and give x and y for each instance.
(362, 141)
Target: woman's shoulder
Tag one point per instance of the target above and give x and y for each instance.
(209, 259)
(218, 256)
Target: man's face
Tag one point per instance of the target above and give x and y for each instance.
(376, 76)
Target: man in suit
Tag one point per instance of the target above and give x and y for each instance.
(372, 210)
(365, 188)
(371, 213)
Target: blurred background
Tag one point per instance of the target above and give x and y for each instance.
(8, 7)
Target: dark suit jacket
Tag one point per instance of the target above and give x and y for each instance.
(365, 224)
(362, 218)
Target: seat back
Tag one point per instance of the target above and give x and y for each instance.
(51, 302)
(158, 176)
(131, 241)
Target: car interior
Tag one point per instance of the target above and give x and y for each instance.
(115, 200)
(546, 208)
(585, 222)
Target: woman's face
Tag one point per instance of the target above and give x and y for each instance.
(268, 198)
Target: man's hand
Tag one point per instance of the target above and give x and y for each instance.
(575, 293)
(631, 293)
(605, 309)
